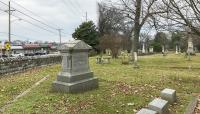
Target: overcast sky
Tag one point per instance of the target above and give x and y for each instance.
(65, 14)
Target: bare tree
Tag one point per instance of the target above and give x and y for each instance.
(112, 42)
(111, 20)
(182, 13)
(113, 28)
(141, 13)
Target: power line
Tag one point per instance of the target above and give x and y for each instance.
(72, 3)
(37, 20)
(31, 23)
(37, 16)
(31, 12)
(3, 10)
(71, 8)
(32, 17)
(35, 25)
(3, 3)
(77, 3)
(20, 36)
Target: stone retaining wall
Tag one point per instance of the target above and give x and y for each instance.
(10, 65)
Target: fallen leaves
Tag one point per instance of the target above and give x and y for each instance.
(130, 104)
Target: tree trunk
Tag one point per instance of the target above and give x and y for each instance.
(136, 30)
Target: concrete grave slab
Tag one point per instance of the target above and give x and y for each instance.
(146, 111)
(169, 95)
(159, 105)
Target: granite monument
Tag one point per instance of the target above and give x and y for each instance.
(75, 75)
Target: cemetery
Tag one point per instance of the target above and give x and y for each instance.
(125, 57)
(121, 89)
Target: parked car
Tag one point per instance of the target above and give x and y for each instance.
(40, 53)
(29, 54)
(18, 55)
(3, 56)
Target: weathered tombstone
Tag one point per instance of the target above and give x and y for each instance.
(190, 46)
(146, 111)
(169, 95)
(108, 52)
(190, 49)
(177, 51)
(125, 57)
(75, 75)
(99, 60)
(151, 49)
(163, 49)
(143, 48)
(159, 105)
(106, 60)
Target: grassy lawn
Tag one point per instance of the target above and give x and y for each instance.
(122, 89)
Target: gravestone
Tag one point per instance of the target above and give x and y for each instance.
(108, 52)
(177, 51)
(146, 111)
(163, 49)
(151, 49)
(75, 75)
(190, 46)
(159, 105)
(169, 95)
(143, 48)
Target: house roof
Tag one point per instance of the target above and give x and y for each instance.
(29, 46)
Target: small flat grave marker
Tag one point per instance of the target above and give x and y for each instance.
(169, 95)
(159, 105)
(146, 111)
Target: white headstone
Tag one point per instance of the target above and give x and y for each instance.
(151, 50)
(176, 49)
(143, 48)
(190, 47)
(163, 49)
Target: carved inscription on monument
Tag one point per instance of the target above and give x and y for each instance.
(80, 62)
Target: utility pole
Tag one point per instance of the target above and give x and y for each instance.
(9, 22)
(9, 28)
(86, 16)
(59, 30)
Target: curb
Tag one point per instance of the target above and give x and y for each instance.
(192, 105)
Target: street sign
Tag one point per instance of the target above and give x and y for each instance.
(1, 46)
(7, 46)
